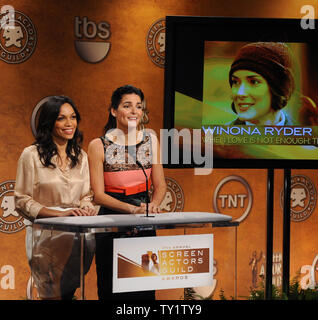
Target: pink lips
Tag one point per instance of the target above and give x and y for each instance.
(243, 107)
(68, 131)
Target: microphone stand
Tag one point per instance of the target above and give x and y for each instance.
(147, 197)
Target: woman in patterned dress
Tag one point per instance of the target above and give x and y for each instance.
(118, 161)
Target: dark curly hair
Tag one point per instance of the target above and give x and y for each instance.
(44, 141)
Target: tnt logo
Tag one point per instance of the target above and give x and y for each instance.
(10, 220)
(90, 43)
(233, 196)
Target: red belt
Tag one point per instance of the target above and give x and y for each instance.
(128, 190)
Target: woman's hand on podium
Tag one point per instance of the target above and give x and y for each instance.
(87, 211)
(152, 207)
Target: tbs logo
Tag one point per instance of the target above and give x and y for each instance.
(90, 43)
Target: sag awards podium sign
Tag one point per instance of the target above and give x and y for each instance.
(165, 262)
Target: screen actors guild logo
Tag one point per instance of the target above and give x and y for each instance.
(174, 198)
(92, 51)
(156, 42)
(233, 195)
(10, 220)
(17, 37)
(303, 197)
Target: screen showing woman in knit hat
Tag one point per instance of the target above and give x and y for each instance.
(256, 100)
(249, 85)
(262, 82)
(253, 97)
(252, 83)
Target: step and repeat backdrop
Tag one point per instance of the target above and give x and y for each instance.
(87, 49)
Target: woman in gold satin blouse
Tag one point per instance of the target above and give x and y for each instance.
(53, 181)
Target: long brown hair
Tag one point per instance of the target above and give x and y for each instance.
(44, 140)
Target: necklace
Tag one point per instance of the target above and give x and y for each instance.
(63, 162)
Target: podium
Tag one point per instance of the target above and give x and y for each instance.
(85, 226)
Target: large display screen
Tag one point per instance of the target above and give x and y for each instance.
(249, 85)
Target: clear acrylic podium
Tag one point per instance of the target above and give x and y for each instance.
(84, 227)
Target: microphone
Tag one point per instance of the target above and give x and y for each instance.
(147, 197)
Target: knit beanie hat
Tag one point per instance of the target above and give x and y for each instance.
(273, 61)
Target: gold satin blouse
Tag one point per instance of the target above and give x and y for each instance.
(37, 186)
